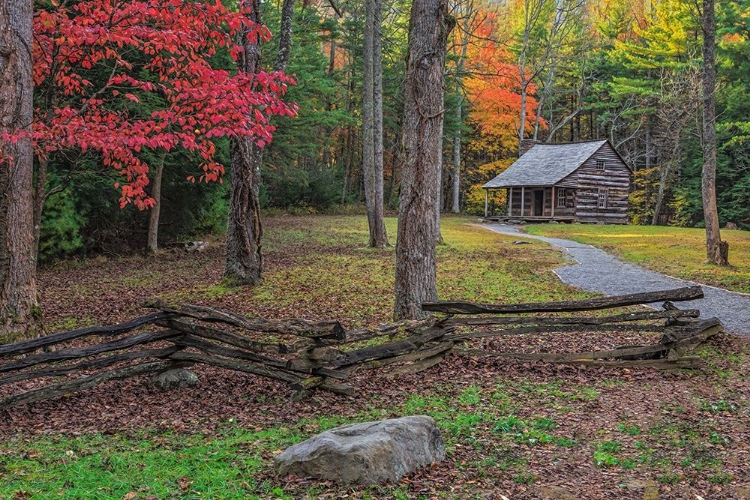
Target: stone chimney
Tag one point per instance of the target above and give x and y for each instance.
(526, 144)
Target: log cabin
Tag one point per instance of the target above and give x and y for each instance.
(572, 182)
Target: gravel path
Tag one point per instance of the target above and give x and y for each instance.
(598, 271)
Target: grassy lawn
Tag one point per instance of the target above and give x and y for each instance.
(518, 429)
(676, 251)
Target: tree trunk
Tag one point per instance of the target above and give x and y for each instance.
(716, 250)
(456, 205)
(439, 198)
(429, 27)
(40, 195)
(244, 261)
(19, 310)
(152, 245)
(372, 126)
(664, 175)
(381, 237)
(522, 124)
(285, 36)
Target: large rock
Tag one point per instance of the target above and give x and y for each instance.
(366, 453)
(175, 379)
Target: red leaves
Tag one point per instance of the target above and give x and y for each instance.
(177, 38)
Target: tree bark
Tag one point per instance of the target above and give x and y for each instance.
(40, 196)
(456, 202)
(19, 309)
(429, 27)
(244, 261)
(152, 244)
(381, 237)
(716, 250)
(372, 125)
(285, 36)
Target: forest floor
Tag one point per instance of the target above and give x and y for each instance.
(513, 430)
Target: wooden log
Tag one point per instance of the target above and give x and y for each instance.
(678, 294)
(210, 348)
(577, 320)
(661, 364)
(554, 329)
(234, 364)
(190, 341)
(343, 389)
(390, 349)
(225, 336)
(30, 345)
(80, 384)
(308, 383)
(80, 352)
(417, 366)
(57, 371)
(302, 366)
(407, 326)
(290, 326)
(427, 351)
(702, 330)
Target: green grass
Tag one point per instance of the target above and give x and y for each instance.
(676, 251)
(163, 465)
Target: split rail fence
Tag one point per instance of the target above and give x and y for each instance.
(322, 355)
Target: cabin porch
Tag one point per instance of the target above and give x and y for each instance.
(535, 204)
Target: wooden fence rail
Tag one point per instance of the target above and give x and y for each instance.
(309, 355)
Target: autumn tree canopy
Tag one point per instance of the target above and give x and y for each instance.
(121, 77)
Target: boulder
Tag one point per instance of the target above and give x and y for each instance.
(731, 226)
(366, 453)
(175, 379)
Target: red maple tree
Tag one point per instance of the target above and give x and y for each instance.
(99, 64)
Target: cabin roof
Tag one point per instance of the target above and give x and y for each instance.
(546, 164)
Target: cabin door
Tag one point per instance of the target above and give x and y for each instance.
(539, 202)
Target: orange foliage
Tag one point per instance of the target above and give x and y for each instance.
(494, 92)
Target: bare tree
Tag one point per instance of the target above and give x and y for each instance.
(717, 251)
(19, 310)
(532, 13)
(416, 282)
(372, 123)
(677, 108)
(466, 16)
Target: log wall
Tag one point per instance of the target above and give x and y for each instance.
(613, 181)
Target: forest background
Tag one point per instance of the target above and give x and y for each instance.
(553, 70)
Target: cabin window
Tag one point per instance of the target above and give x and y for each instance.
(603, 198)
(601, 165)
(561, 197)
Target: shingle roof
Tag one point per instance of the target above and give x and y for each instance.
(546, 164)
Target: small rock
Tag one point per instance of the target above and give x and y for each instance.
(366, 453)
(196, 246)
(175, 379)
(521, 242)
(731, 225)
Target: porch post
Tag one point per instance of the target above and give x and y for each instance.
(554, 202)
(523, 198)
(486, 201)
(510, 202)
